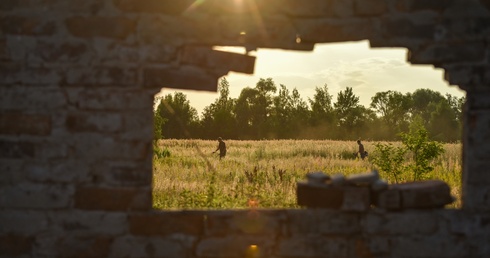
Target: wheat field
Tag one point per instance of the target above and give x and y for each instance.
(264, 173)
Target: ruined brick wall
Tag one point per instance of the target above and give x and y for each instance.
(77, 80)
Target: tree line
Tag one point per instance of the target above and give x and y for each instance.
(267, 111)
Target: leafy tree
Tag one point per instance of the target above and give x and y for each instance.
(351, 116)
(421, 104)
(253, 108)
(321, 106)
(219, 118)
(289, 114)
(180, 119)
(393, 108)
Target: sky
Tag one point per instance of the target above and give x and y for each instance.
(338, 65)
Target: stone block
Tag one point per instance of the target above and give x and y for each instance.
(36, 196)
(21, 25)
(16, 149)
(122, 174)
(317, 8)
(56, 52)
(313, 246)
(437, 245)
(328, 30)
(166, 223)
(183, 78)
(415, 195)
(136, 246)
(18, 123)
(101, 76)
(250, 222)
(205, 57)
(23, 222)
(235, 246)
(112, 199)
(402, 223)
(94, 122)
(344, 198)
(15, 245)
(370, 8)
(83, 245)
(99, 26)
(438, 54)
(418, 5)
(322, 222)
(32, 99)
(166, 7)
(78, 222)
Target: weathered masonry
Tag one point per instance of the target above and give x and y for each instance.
(77, 80)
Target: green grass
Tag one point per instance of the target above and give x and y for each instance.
(264, 173)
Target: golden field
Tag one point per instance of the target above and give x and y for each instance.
(264, 173)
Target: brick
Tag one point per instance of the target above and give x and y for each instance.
(401, 223)
(23, 222)
(389, 199)
(101, 76)
(322, 222)
(32, 99)
(166, 223)
(63, 172)
(438, 54)
(20, 25)
(205, 57)
(12, 171)
(344, 198)
(167, 7)
(84, 246)
(234, 246)
(94, 122)
(317, 8)
(121, 174)
(313, 246)
(16, 149)
(13, 73)
(477, 132)
(61, 52)
(98, 26)
(112, 99)
(184, 78)
(423, 194)
(36, 196)
(422, 27)
(251, 222)
(90, 222)
(20, 123)
(102, 146)
(15, 245)
(430, 246)
(112, 199)
(136, 246)
(327, 30)
(420, 5)
(370, 8)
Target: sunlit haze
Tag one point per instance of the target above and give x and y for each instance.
(366, 70)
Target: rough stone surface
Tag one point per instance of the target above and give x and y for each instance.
(77, 80)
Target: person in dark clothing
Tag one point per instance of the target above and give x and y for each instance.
(221, 148)
(361, 151)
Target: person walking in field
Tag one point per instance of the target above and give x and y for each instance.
(221, 148)
(361, 151)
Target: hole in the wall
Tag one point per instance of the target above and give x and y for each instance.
(188, 169)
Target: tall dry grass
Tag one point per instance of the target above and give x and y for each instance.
(264, 173)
